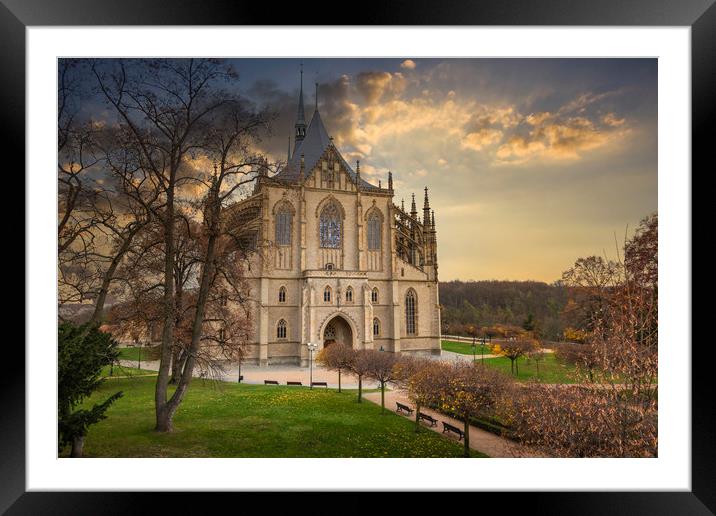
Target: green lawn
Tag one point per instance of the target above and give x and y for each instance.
(121, 371)
(220, 419)
(465, 348)
(148, 353)
(551, 370)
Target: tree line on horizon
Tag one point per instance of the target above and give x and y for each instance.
(483, 304)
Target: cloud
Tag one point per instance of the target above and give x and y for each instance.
(375, 86)
(408, 64)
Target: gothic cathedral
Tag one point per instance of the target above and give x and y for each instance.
(338, 261)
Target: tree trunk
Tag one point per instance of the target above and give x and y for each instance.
(417, 419)
(466, 428)
(109, 274)
(360, 388)
(78, 443)
(382, 398)
(163, 417)
(339, 380)
(205, 282)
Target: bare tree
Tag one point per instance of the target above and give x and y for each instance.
(360, 367)
(467, 390)
(416, 376)
(336, 357)
(381, 368)
(164, 105)
(514, 349)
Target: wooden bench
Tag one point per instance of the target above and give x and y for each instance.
(403, 408)
(428, 418)
(270, 382)
(294, 383)
(319, 384)
(447, 427)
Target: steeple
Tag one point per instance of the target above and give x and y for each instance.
(413, 209)
(300, 124)
(426, 209)
(390, 181)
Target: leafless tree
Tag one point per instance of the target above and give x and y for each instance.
(336, 357)
(360, 367)
(381, 368)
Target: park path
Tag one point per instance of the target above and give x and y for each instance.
(281, 373)
(480, 440)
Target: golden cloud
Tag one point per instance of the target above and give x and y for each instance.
(408, 64)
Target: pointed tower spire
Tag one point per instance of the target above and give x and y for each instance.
(433, 222)
(357, 173)
(300, 124)
(390, 181)
(426, 209)
(413, 209)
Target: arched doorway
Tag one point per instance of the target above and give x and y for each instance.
(337, 331)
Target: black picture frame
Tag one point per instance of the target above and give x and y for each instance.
(17, 15)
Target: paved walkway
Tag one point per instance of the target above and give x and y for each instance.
(480, 440)
(281, 373)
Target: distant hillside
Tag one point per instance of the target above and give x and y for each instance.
(485, 303)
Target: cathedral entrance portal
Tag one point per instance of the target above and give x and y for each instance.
(338, 330)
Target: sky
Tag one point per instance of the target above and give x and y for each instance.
(530, 163)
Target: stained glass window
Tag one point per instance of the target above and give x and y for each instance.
(374, 232)
(330, 227)
(281, 329)
(410, 312)
(283, 227)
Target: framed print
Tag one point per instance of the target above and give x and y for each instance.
(318, 256)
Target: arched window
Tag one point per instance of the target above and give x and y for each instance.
(410, 311)
(282, 295)
(327, 295)
(283, 226)
(376, 327)
(349, 294)
(330, 227)
(374, 296)
(281, 329)
(374, 231)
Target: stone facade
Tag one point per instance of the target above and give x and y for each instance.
(336, 260)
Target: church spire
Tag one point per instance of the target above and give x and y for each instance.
(426, 209)
(413, 209)
(300, 124)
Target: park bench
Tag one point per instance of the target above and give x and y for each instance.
(294, 383)
(428, 418)
(403, 408)
(447, 427)
(270, 382)
(319, 384)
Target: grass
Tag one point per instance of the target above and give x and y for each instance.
(218, 419)
(132, 353)
(465, 348)
(551, 370)
(118, 371)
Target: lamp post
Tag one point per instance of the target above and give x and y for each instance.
(473, 349)
(311, 348)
